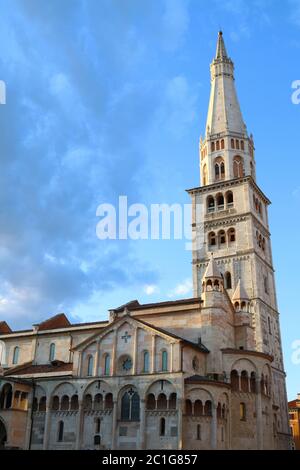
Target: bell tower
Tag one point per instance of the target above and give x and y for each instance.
(230, 221)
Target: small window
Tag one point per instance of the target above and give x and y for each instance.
(90, 368)
(228, 283)
(198, 432)
(16, 355)
(146, 362)
(242, 412)
(97, 440)
(52, 352)
(164, 361)
(60, 436)
(162, 427)
(107, 365)
(212, 239)
(232, 144)
(97, 425)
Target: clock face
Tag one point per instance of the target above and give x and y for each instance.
(127, 364)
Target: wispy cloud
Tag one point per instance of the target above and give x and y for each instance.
(151, 289)
(182, 289)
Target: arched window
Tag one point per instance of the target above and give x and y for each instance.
(242, 412)
(74, 402)
(232, 143)
(234, 379)
(97, 440)
(109, 404)
(244, 381)
(218, 145)
(146, 362)
(188, 407)
(150, 403)
(98, 402)
(130, 406)
(212, 239)
(222, 144)
(164, 361)
(162, 427)
(219, 168)
(198, 408)
(198, 432)
(231, 235)
(220, 202)
(210, 204)
(60, 433)
(172, 401)
(222, 237)
(55, 403)
(252, 382)
(237, 144)
(229, 199)
(162, 402)
(236, 306)
(90, 365)
(107, 364)
(64, 403)
(42, 404)
(212, 146)
(208, 408)
(228, 283)
(16, 355)
(125, 406)
(88, 402)
(242, 145)
(238, 170)
(52, 352)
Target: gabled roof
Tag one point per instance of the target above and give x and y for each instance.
(134, 305)
(240, 293)
(30, 368)
(58, 321)
(4, 328)
(199, 347)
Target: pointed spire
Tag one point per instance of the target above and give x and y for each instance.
(240, 293)
(212, 270)
(221, 49)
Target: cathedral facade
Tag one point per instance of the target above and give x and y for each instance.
(199, 373)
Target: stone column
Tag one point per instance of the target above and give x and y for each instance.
(29, 424)
(214, 424)
(114, 352)
(142, 424)
(79, 426)
(258, 415)
(179, 422)
(153, 354)
(47, 426)
(135, 359)
(114, 426)
(96, 366)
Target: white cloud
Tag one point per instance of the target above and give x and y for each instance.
(150, 289)
(295, 12)
(182, 289)
(175, 23)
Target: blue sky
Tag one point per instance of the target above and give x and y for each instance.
(108, 98)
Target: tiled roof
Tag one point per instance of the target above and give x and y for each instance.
(135, 305)
(58, 321)
(4, 328)
(29, 368)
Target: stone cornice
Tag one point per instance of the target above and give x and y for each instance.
(227, 184)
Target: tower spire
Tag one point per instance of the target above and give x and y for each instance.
(221, 49)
